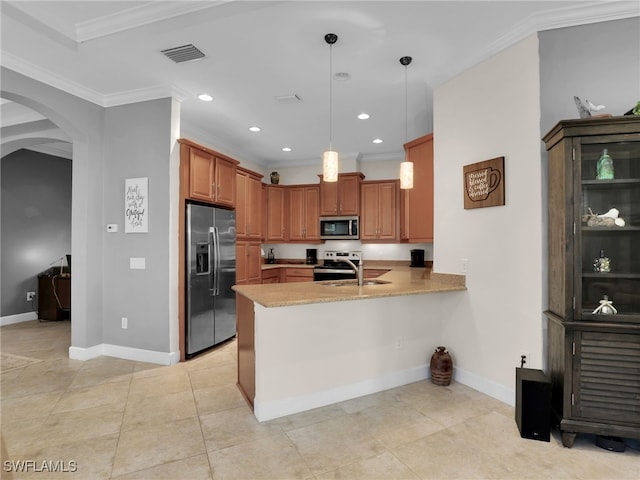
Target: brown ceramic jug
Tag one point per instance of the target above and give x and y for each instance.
(441, 367)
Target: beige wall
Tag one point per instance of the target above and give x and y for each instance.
(489, 111)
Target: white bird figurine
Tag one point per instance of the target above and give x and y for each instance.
(613, 213)
(594, 108)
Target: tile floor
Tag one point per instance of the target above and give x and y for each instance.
(108, 418)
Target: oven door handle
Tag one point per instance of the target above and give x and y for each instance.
(343, 271)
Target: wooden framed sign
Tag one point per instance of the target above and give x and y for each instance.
(484, 183)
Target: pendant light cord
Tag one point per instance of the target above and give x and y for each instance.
(331, 96)
(406, 115)
(405, 61)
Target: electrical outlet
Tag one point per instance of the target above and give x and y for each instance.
(125, 322)
(30, 296)
(464, 265)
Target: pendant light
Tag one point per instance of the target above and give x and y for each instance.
(330, 158)
(406, 167)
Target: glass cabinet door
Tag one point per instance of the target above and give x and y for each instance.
(608, 235)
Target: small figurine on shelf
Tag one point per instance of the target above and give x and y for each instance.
(604, 167)
(602, 264)
(606, 307)
(610, 219)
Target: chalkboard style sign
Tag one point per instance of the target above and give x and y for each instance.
(484, 183)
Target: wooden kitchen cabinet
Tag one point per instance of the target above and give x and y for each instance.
(248, 204)
(593, 358)
(271, 275)
(379, 218)
(276, 199)
(416, 222)
(341, 197)
(212, 176)
(293, 274)
(304, 208)
(248, 263)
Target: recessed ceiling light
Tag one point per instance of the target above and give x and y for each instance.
(377, 140)
(254, 129)
(341, 76)
(286, 149)
(205, 97)
(364, 116)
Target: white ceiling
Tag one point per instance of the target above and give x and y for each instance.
(109, 53)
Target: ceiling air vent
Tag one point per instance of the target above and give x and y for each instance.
(185, 53)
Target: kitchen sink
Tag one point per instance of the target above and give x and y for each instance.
(351, 283)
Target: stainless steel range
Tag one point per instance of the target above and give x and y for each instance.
(334, 268)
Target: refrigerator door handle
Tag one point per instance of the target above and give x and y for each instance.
(216, 261)
(212, 271)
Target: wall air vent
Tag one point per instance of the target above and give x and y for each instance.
(185, 53)
(292, 98)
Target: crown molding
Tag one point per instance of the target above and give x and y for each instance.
(35, 72)
(111, 100)
(138, 16)
(561, 18)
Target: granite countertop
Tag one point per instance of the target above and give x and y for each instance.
(403, 280)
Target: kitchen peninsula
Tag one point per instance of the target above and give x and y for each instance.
(309, 344)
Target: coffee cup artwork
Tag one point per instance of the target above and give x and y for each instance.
(484, 184)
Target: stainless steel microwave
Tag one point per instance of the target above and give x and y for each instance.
(339, 228)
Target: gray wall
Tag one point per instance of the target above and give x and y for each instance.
(137, 144)
(110, 145)
(36, 222)
(599, 62)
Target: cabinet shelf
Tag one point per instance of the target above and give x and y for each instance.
(605, 276)
(620, 317)
(611, 183)
(626, 228)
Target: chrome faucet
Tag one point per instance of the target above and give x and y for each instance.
(358, 268)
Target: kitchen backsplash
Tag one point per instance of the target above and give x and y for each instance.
(370, 251)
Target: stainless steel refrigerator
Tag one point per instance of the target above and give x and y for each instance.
(211, 272)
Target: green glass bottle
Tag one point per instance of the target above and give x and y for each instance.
(604, 167)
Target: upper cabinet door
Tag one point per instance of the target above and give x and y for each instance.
(341, 197)
(212, 177)
(201, 175)
(349, 194)
(254, 207)
(249, 208)
(275, 223)
(303, 213)
(417, 203)
(328, 198)
(225, 182)
(380, 211)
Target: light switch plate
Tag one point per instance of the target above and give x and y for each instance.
(137, 263)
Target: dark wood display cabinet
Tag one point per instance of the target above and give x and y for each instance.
(594, 346)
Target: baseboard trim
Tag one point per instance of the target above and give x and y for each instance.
(488, 387)
(269, 410)
(279, 408)
(126, 353)
(18, 318)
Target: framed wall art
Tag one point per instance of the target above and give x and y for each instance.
(136, 205)
(484, 183)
